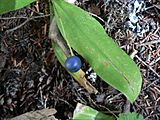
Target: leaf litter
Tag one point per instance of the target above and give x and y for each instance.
(32, 78)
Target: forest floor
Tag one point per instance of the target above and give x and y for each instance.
(31, 78)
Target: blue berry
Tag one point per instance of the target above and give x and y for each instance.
(73, 64)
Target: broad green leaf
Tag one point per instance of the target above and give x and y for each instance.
(89, 39)
(9, 5)
(130, 116)
(83, 112)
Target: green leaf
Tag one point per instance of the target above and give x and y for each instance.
(89, 39)
(130, 116)
(9, 5)
(83, 112)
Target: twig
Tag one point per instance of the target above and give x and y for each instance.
(133, 53)
(22, 17)
(9, 18)
(22, 24)
(17, 27)
(148, 66)
(55, 36)
(151, 70)
(114, 97)
(151, 84)
(148, 43)
(97, 17)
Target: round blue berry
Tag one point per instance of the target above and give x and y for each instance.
(73, 64)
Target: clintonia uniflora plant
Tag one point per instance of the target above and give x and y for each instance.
(86, 36)
(83, 112)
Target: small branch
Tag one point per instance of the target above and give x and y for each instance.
(148, 66)
(151, 70)
(17, 27)
(22, 24)
(21, 17)
(148, 43)
(55, 36)
(97, 17)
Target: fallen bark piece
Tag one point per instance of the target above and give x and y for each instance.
(44, 114)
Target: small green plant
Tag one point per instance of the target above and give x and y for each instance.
(87, 37)
(130, 116)
(83, 112)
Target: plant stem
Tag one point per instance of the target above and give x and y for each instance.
(55, 36)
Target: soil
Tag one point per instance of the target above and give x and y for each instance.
(31, 77)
